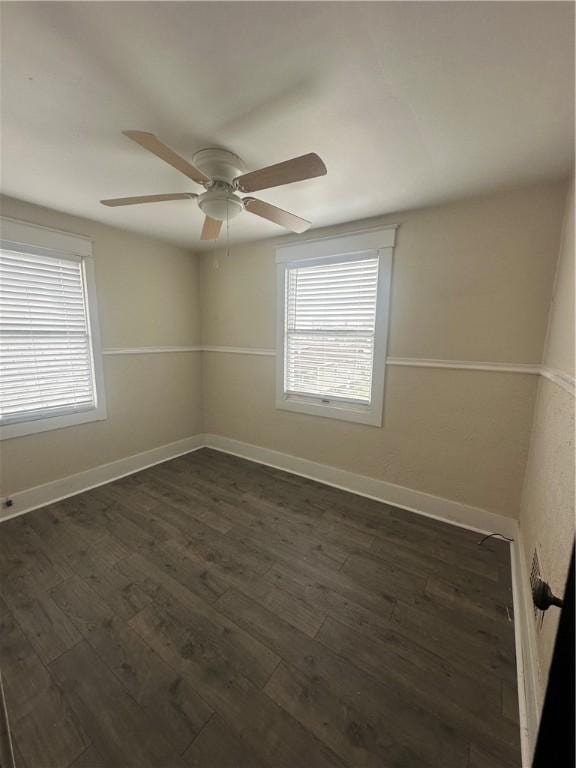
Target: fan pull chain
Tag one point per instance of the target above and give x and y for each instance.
(227, 234)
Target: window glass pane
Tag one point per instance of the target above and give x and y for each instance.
(45, 352)
(330, 366)
(329, 333)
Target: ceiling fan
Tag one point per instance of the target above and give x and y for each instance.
(223, 175)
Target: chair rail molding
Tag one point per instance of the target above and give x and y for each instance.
(562, 379)
(147, 350)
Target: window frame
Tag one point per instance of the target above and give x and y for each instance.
(22, 236)
(365, 244)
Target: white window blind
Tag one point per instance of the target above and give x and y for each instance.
(330, 328)
(46, 365)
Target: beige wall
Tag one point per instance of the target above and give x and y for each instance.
(559, 350)
(471, 281)
(547, 515)
(147, 296)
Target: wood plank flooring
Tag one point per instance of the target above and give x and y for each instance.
(215, 613)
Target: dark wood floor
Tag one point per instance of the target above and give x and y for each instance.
(214, 613)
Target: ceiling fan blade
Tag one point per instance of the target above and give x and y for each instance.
(211, 229)
(154, 145)
(277, 215)
(299, 168)
(113, 202)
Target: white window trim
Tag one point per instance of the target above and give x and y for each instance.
(18, 234)
(364, 244)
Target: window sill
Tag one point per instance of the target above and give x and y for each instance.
(32, 427)
(360, 414)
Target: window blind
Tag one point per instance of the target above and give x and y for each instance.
(329, 327)
(45, 352)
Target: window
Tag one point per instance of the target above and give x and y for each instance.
(333, 300)
(49, 374)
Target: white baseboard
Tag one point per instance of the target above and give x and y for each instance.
(422, 503)
(527, 664)
(454, 512)
(40, 495)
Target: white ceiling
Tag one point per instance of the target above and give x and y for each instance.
(407, 103)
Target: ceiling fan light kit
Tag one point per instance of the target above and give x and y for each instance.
(223, 174)
(220, 202)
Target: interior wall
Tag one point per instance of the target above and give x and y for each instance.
(471, 282)
(547, 514)
(147, 297)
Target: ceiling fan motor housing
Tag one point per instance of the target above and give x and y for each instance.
(219, 201)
